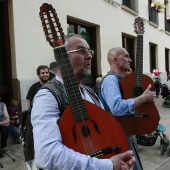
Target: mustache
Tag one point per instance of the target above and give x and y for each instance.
(86, 63)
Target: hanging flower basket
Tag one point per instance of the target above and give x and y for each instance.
(158, 6)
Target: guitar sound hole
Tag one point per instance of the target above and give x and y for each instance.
(85, 131)
(137, 91)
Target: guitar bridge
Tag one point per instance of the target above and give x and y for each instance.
(106, 151)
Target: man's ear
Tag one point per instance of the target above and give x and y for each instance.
(115, 60)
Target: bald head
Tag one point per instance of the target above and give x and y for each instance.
(119, 60)
(114, 53)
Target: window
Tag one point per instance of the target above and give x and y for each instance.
(132, 4)
(152, 56)
(167, 17)
(167, 61)
(167, 25)
(89, 34)
(128, 44)
(153, 14)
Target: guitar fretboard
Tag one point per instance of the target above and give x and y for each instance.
(71, 85)
(139, 62)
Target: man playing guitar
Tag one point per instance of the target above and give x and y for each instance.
(50, 153)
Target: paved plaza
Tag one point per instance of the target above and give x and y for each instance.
(150, 155)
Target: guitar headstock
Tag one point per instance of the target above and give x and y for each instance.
(139, 25)
(51, 25)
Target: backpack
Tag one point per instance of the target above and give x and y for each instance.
(106, 107)
(164, 91)
(26, 129)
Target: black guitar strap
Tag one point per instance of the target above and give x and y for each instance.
(59, 92)
(106, 107)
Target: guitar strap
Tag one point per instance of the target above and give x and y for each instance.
(106, 107)
(92, 94)
(59, 92)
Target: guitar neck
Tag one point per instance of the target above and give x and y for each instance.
(139, 61)
(71, 85)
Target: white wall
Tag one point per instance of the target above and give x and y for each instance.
(29, 47)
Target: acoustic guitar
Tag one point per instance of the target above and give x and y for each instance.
(84, 127)
(133, 85)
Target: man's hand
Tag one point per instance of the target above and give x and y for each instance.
(149, 96)
(124, 161)
(5, 123)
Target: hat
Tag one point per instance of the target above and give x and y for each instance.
(53, 65)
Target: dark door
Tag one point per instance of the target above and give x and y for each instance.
(5, 54)
(128, 44)
(152, 56)
(167, 61)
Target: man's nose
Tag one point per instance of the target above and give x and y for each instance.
(130, 60)
(88, 56)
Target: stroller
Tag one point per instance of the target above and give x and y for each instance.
(165, 92)
(150, 139)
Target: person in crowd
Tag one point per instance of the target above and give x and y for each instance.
(55, 154)
(97, 85)
(156, 78)
(9, 127)
(43, 74)
(4, 122)
(129, 71)
(54, 69)
(13, 111)
(119, 61)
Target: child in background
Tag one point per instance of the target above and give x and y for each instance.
(13, 111)
(156, 78)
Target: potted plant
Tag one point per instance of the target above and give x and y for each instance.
(158, 6)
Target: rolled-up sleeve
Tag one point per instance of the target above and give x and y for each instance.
(50, 153)
(111, 93)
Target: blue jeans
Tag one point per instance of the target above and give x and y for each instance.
(12, 131)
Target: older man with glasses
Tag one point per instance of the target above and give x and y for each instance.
(50, 153)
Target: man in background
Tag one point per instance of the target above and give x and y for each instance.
(54, 69)
(43, 74)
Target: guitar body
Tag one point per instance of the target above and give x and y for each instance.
(138, 125)
(100, 132)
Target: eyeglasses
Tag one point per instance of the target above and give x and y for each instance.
(82, 51)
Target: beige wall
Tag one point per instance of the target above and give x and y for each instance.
(29, 47)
